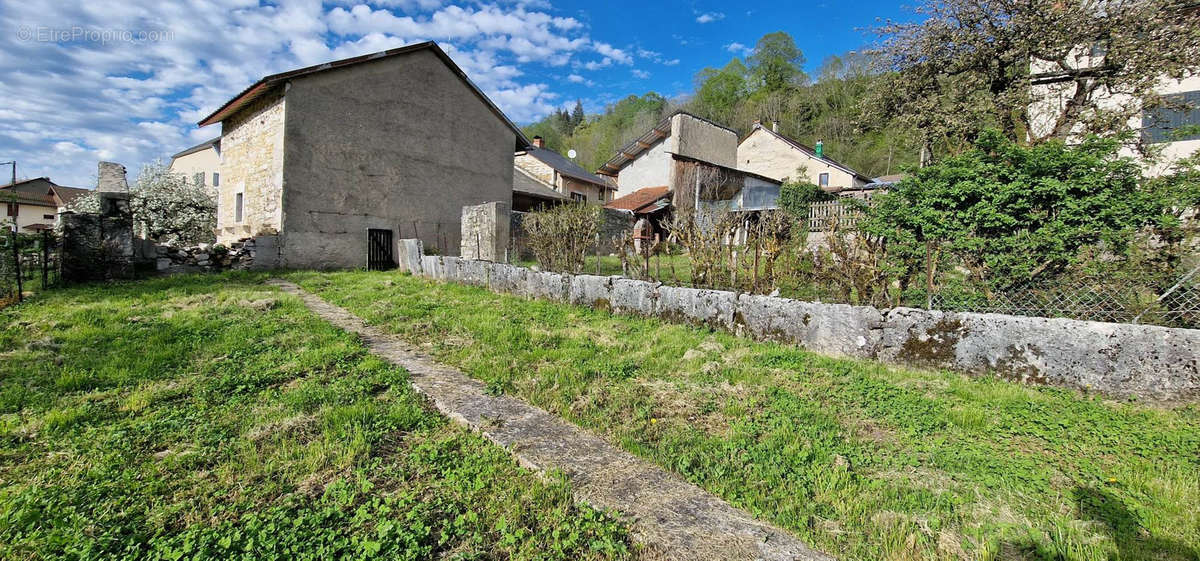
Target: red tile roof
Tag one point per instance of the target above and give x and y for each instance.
(639, 200)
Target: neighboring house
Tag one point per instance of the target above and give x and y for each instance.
(766, 152)
(201, 164)
(694, 158)
(31, 205)
(1050, 91)
(651, 203)
(530, 193)
(342, 159)
(563, 175)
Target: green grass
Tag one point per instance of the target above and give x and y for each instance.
(862, 460)
(216, 418)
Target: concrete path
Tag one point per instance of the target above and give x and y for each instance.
(673, 518)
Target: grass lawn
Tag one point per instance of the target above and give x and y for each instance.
(862, 460)
(205, 417)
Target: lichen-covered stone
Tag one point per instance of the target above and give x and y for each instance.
(590, 290)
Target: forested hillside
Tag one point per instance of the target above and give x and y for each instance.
(769, 85)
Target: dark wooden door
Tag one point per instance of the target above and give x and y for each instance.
(379, 250)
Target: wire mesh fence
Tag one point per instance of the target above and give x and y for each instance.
(1090, 298)
(27, 262)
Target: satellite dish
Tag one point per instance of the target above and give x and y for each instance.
(571, 153)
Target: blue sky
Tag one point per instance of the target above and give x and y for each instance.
(126, 81)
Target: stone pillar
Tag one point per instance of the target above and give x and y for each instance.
(485, 231)
(111, 178)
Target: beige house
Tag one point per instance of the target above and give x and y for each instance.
(766, 152)
(32, 205)
(564, 176)
(1051, 88)
(343, 159)
(201, 164)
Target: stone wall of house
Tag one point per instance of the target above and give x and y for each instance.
(535, 167)
(398, 143)
(651, 169)
(696, 138)
(1151, 362)
(766, 154)
(252, 164)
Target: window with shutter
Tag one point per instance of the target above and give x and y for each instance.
(1164, 124)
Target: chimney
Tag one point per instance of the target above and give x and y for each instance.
(111, 178)
(820, 149)
(774, 126)
(539, 142)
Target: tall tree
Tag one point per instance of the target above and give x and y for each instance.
(777, 63)
(577, 115)
(974, 64)
(719, 90)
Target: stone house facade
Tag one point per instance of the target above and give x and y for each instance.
(766, 152)
(565, 177)
(329, 156)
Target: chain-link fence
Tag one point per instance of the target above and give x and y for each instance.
(1090, 298)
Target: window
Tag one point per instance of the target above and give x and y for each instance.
(578, 197)
(1161, 124)
(237, 207)
(216, 179)
(199, 179)
(824, 180)
(12, 209)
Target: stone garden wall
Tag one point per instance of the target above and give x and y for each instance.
(1152, 362)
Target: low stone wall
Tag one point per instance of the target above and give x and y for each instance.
(211, 258)
(1151, 362)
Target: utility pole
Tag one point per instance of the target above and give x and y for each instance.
(14, 170)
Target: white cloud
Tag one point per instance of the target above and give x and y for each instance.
(577, 79)
(71, 103)
(671, 62)
(610, 52)
(709, 17)
(640, 74)
(739, 49)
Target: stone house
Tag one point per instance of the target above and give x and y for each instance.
(766, 152)
(201, 164)
(563, 175)
(343, 159)
(32, 205)
(693, 158)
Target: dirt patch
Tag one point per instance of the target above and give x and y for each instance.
(298, 425)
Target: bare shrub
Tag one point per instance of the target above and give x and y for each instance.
(561, 237)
